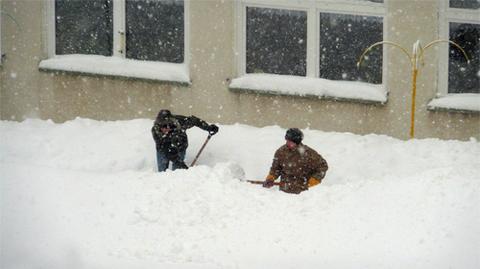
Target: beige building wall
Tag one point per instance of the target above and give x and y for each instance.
(26, 92)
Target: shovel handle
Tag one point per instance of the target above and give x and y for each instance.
(261, 182)
(201, 149)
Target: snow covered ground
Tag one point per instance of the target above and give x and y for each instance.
(85, 194)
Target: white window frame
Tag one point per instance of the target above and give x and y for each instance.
(1, 53)
(448, 15)
(117, 64)
(455, 102)
(313, 9)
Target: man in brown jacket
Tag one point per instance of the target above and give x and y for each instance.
(298, 166)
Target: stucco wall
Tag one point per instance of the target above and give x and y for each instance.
(418, 20)
(27, 92)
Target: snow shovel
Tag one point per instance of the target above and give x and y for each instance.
(201, 149)
(260, 182)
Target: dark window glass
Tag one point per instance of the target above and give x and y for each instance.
(83, 27)
(463, 77)
(343, 38)
(155, 30)
(276, 41)
(468, 4)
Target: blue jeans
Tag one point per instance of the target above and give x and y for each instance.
(163, 162)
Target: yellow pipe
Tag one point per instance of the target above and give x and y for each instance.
(413, 61)
(380, 43)
(447, 41)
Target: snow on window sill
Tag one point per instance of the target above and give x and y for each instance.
(464, 102)
(311, 87)
(115, 66)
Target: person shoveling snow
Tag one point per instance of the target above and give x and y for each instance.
(298, 165)
(171, 141)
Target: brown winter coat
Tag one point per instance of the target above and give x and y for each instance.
(296, 166)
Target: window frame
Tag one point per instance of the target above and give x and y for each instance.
(313, 10)
(119, 46)
(1, 33)
(446, 16)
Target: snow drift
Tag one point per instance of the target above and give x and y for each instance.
(85, 194)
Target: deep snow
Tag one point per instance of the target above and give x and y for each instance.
(84, 194)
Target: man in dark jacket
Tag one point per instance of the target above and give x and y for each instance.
(298, 166)
(169, 133)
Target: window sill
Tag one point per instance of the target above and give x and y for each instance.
(311, 87)
(118, 67)
(464, 103)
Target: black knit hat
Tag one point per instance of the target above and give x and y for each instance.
(163, 114)
(294, 135)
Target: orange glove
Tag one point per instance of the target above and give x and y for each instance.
(313, 181)
(269, 181)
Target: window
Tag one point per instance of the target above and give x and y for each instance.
(154, 29)
(121, 31)
(310, 40)
(277, 40)
(146, 40)
(338, 58)
(462, 25)
(1, 53)
(463, 77)
(468, 4)
(459, 82)
(84, 27)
